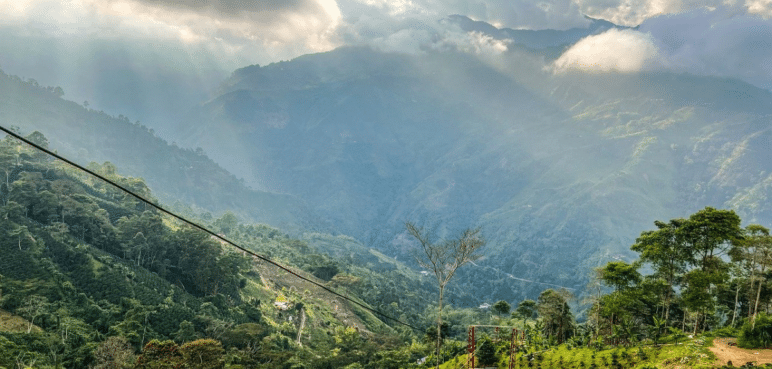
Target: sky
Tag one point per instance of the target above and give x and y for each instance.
(101, 50)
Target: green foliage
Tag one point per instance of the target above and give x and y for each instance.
(526, 309)
(501, 307)
(486, 352)
(203, 354)
(726, 332)
(620, 275)
(160, 355)
(555, 314)
(82, 261)
(758, 335)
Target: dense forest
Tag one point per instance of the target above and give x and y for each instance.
(90, 276)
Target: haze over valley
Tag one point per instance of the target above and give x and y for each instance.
(562, 129)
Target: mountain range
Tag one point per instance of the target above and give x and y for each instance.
(561, 170)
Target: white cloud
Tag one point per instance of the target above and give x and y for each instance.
(722, 42)
(634, 12)
(261, 30)
(472, 42)
(760, 7)
(528, 14)
(613, 50)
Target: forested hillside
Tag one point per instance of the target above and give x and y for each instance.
(89, 276)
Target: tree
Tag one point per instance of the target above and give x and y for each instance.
(444, 258)
(501, 307)
(708, 235)
(227, 223)
(527, 310)
(618, 306)
(755, 254)
(486, 352)
(620, 275)
(114, 353)
(160, 355)
(203, 354)
(431, 332)
(555, 313)
(32, 307)
(664, 249)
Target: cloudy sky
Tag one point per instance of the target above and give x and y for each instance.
(186, 43)
(271, 30)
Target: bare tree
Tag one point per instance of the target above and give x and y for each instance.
(444, 258)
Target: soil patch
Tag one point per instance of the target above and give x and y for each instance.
(738, 356)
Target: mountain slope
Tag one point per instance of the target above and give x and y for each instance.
(561, 171)
(176, 174)
(84, 264)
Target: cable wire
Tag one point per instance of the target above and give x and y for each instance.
(200, 227)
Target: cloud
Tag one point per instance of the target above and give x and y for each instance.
(634, 12)
(721, 42)
(614, 50)
(733, 41)
(525, 14)
(760, 7)
(263, 30)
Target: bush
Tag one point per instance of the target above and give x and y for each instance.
(758, 336)
(486, 352)
(726, 332)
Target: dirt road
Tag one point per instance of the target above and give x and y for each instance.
(736, 355)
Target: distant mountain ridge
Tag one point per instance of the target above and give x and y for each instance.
(561, 171)
(535, 39)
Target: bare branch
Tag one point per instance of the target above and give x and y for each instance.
(444, 258)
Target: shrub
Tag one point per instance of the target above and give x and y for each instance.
(726, 332)
(757, 336)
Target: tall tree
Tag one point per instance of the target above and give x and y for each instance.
(444, 258)
(624, 278)
(527, 310)
(708, 235)
(555, 313)
(755, 254)
(501, 307)
(664, 250)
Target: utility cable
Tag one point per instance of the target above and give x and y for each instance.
(200, 227)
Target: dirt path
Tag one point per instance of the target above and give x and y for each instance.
(736, 355)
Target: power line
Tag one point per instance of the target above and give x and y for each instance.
(200, 227)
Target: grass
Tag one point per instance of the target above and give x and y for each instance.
(689, 354)
(15, 324)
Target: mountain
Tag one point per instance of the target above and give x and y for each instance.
(561, 171)
(549, 42)
(176, 175)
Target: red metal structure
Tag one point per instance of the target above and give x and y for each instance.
(471, 346)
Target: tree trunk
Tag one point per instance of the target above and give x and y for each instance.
(750, 298)
(667, 307)
(683, 322)
(439, 326)
(756, 305)
(736, 299)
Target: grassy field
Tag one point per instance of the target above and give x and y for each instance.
(689, 354)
